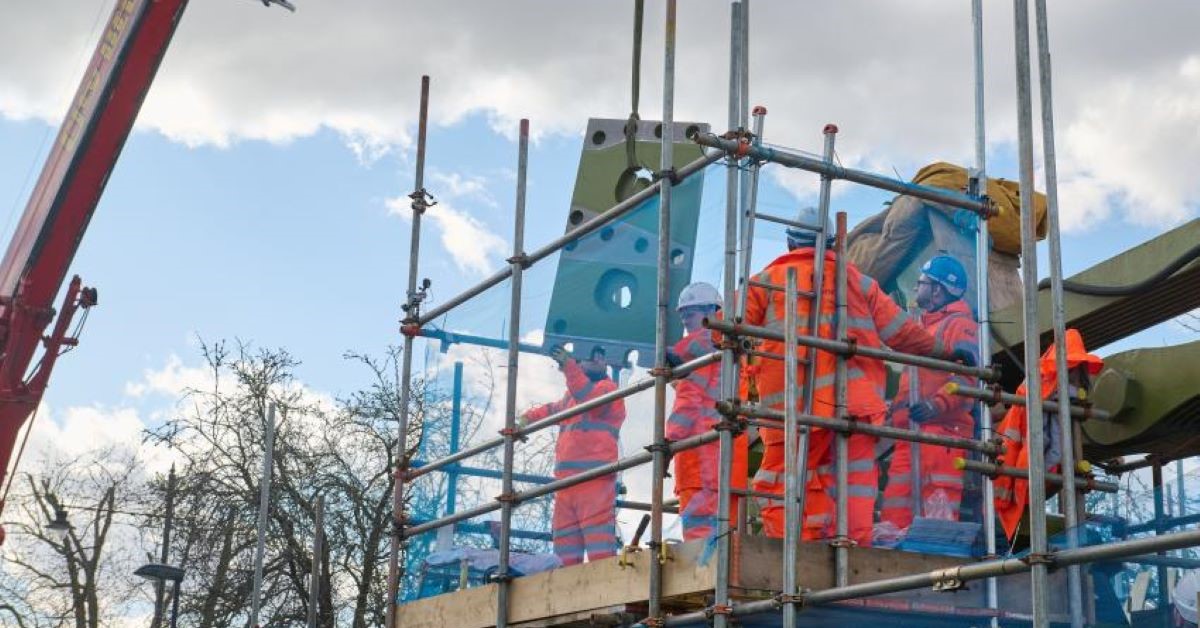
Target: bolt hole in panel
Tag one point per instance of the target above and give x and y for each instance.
(605, 284)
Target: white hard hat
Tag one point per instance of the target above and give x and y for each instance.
(808, 216)
(699, 293)
(1185, 596)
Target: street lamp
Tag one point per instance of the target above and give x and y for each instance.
(59, 528)
(164, 573)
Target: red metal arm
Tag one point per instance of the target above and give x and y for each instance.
(86, 149)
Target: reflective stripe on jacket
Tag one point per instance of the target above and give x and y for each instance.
(590, 439)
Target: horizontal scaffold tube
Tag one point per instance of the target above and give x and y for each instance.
(609, 215)
(1084, 481)
(845, 348)
(554, 419)
(1009, 399)
(557, 485)
(952, 577)
(796, 159)
(991, 448)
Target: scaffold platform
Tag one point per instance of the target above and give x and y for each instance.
(607, 593)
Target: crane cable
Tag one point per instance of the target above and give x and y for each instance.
(631, 124)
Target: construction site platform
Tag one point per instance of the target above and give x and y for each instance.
(607, 593)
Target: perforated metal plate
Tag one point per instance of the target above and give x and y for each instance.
(605, 287)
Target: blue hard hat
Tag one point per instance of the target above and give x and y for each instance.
(947, 271)
(800, 237)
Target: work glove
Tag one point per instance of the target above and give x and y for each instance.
(559, 354)
(923, 411)
(964, 356)
(522, 421)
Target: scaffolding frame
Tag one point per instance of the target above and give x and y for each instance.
(744, 154)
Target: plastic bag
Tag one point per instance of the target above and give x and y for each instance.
(938, 506)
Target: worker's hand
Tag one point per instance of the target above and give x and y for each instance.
(964, 356)
(559, 354)
(923, 411)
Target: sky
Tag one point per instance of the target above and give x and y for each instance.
(262, 193)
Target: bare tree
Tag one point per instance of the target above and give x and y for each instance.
(82, 577)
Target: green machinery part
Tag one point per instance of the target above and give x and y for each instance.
(1153, 395)
(605, 287)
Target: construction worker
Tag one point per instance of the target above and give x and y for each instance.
(584, 519)
(1012, 494)
(694, 413)
(921, 401)
(874, 320)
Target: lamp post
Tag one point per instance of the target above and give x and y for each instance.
(160, 573)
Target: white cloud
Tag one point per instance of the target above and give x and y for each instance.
(896, 77)
(472, 245)
(172, 380)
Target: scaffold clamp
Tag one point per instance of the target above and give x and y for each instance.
(652, 622)
(950, 579)
(842, 541)
(1032, 559)
(783, 599)
(521, 259)
(718, 609)
(507, 498)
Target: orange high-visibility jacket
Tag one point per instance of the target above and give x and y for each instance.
(694, 412)
(1012, 494)
(873, 321)
(953, 327)
(590, 439)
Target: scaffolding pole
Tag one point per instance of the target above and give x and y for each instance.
(1069, 497)
(554, 419)
(951, 578)
(796, 159)
(729, 372)
(1053, 479)
(996, 395)
(661, 370)
(420, 202)
(977, 188)
(792, 485)
(1029, 277)
(583, 230)
(557, 485)
(846, 348)
(773, 419)
(841, 542)
(517, 261)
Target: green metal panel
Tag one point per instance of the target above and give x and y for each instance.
(1153, 395)
(1103, 320)
(605, 287)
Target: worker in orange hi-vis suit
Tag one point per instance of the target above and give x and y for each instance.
(584, 519)
(874, 320)
(940, 288)
(694, 413)
(1012, 494)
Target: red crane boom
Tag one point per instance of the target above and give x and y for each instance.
(34, 267)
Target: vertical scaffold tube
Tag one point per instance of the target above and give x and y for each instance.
(1029, 277)
(503, 578)
(660, 319)
(747, 217)
(729, 371)
(1069, 495)
(841, 543)
(978, 188)
(419, 205)
(792, 514)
